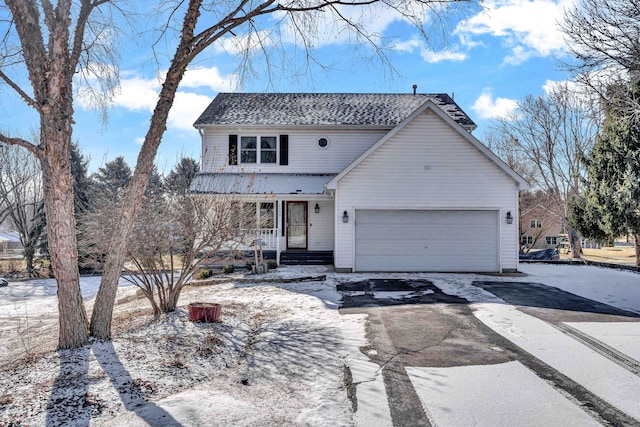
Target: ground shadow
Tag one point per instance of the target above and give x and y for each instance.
(389, 292)
(543, 296)
(70, 402)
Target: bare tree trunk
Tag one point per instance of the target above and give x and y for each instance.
(100, 326)
(576, 247)
(58, 193)
(636, 238)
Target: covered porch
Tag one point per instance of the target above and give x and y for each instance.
(291, 214)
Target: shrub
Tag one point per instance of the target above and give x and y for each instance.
(228, 269)
(272, 264)
(205, 274)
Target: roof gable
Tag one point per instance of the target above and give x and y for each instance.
(429, 105)
(322, 109)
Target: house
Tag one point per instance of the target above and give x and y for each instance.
(541, 228)
(10, 245)
(377, 182)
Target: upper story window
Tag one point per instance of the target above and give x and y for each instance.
(263, 148)
(258, 149)
(536, 223)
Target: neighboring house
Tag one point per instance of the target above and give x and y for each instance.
(541, 228)
(381, 182)
(10, 245)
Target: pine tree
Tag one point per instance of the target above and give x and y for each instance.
(112, 179)
(611, 204)
(180, 177)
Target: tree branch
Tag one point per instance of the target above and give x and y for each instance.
(36, 150)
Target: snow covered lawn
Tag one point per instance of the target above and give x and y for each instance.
(284, 355)
(277, 358)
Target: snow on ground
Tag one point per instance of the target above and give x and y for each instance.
(284, 355)
(277, 358)
(597, 373)
(623, 336)
(489, 396)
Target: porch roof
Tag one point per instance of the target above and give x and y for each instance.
(259, 183)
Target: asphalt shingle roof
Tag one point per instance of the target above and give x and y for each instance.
(316, 109)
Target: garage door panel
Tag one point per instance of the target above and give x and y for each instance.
(414, 240)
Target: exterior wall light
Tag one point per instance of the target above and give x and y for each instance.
(509, 218)
(345, 217)
(317, 208)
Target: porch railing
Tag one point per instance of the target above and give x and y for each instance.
(268, 235)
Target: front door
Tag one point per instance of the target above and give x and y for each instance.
(296, 225)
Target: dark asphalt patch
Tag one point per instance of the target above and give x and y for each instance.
(542, 296)
(387, 292)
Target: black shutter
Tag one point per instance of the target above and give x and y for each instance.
(233, 150)
(284, 149)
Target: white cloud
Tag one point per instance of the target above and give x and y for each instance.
(237, 45)
(529, 27)
(408, 46)
(137, 94)
(211, 78)
(186, 108)
(489, 108)
(140, 94)
(444, 55)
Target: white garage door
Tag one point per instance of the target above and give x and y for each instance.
(414, 240)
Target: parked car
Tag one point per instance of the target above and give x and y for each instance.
(3, 282)
(543, 255)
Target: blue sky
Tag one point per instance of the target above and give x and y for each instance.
(491, 59)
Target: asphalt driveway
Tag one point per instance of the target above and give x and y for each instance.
(414, 323)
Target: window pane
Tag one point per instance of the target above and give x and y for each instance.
(268, 142)
(266, 215)
(249, 142)
(249, 215)
(267, 156)
(248, 156)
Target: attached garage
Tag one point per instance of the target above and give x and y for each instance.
(426, 240)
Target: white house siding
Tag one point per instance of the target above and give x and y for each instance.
(321, 226)
(427, 165)
(305, 156)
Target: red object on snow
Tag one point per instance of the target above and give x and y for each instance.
(204, 312)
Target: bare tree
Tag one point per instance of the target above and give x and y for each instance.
(173, 236)
(243, 16)
(552, 135)
(604, 37)
(52, 43)
(49, 45)
(21, 199)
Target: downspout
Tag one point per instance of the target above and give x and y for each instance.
(201, 132)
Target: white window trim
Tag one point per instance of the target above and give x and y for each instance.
(258, 149)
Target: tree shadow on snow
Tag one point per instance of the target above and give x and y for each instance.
(72, 404)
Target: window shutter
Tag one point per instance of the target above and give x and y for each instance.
(233, 150)
(284, 149)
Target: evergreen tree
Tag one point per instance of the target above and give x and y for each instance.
(154, 185)
(611, 204)
(112, 179)
(81, 181)
(180, 177)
